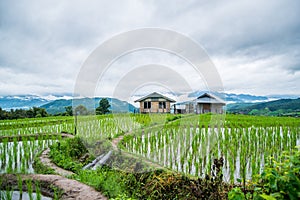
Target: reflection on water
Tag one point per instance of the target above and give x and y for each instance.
(15, 195)
(18, 156)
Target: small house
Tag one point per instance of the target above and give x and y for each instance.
(155, 103)
(206, 103)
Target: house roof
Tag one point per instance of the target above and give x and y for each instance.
(209, 98)
(154, 96)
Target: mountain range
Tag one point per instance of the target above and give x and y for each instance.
(236, 103)
(22, 101)
(58, 106)
(281, 107)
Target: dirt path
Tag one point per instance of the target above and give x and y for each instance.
(72, 189)
(44, 158)
(116, 141)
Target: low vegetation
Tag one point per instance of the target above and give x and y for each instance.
(282, 107)
(22, 113)
(158, 184)
(70, 154)
(280, 179)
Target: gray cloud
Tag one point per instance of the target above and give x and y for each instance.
(44, 43)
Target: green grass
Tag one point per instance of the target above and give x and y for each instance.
(68, 152)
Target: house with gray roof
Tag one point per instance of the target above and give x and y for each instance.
(206, 103)
(155, 103)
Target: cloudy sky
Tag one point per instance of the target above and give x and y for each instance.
(255, 45)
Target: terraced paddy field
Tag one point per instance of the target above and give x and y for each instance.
(157, 156)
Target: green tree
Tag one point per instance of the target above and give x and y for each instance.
(254, 112)
(69, 110)
(39, 112)
(2, 114)
(103, 107)
(81, 110)
(30, 113)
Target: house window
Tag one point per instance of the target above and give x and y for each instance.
(147, 105)
(162, 105)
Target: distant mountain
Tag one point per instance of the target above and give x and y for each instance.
(28, 101)
(239, 103)
(245, 98)
(278, 107)
(21, 101)
(58, 106)
(234, 98)
(283, 96)
(238, 106)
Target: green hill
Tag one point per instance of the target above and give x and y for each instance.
(58, 106)
(282, 107)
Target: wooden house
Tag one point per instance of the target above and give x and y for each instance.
(206, 103)
(155, 103)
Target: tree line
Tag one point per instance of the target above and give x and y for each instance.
(23, 113)
(35, 112)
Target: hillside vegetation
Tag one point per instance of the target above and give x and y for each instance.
(282, 107)
(58, 106)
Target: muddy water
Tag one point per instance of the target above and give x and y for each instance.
(15, 195)
(186, 149)
(18, 156)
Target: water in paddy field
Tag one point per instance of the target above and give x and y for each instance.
(15, 195)
(192, 150)
(18, 156)
(58, 128)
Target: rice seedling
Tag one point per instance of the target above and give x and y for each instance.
(18, 156)
(8, 194)
(244, 141)
(38, 190)
(188, 144)
(20, 186)
(29, 188)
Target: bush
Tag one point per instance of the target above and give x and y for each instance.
(279, 180)
(104, 179)
(66, 154)
(236, 194)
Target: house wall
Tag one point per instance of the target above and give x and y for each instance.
(199, 108)
(141, 106)
(217, 108)
(206, 108)
(189, 108)
(154, 107)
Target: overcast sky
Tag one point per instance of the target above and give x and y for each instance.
(255, 45)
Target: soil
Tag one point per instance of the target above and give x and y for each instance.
(72, 189)
(116, 141)
(44, 158)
